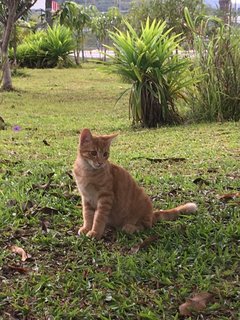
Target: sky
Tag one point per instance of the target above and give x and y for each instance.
(40, 4)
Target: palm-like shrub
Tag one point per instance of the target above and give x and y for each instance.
(159, 76)
(46, 48)
(57, 44)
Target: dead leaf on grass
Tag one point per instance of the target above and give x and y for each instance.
(200, 181)
(27, 173)
(174, 192)
(2, 124)
(21, 252)
(11, 203)
(18, 269)
(26, 206)
(196, 304)
(155, 160)
(45, 225)
(48, 210)
(71, 196)
(144, 244)
(46, 143)
(229, 196)
(69, 173)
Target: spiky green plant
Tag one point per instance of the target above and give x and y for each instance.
(57, 44)
(45, 48)
(158, 75)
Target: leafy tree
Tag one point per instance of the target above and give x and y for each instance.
(10, 12)
(77, 18)
(102, 23)
(171, 11)
(158, 77)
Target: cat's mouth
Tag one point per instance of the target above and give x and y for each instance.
(97, 165)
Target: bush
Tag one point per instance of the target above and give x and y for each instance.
(46, 49)
(158, 76)
(217, 95)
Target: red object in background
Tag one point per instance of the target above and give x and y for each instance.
(55, 6)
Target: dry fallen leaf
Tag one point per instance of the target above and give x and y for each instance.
(18, 269)
(200, 181)
(26, 206)
(46, 143)
(143, 244)
(48, 210)
(21, 252)
(195, 304)
(45, 224)
(155, 160)
(229, 196)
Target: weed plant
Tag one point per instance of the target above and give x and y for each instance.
(217, 49)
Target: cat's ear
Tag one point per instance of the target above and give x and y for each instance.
(85, 136)
(111, 137)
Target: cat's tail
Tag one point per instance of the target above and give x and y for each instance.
(173, 214)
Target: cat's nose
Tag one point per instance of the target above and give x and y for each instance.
(99, 164)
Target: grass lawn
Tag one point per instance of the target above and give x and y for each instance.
(70, 277)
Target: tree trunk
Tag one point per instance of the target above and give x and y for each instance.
(48, 12)
(7, 80)
(225, 7)
(77, 56)
(82, 41)
(14, 45)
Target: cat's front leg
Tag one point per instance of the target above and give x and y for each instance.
(104, 207)
(88, 215)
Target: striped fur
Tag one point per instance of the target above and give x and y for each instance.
(110, 196)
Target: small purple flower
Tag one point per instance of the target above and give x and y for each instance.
(16, 128)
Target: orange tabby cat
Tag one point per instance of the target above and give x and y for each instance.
(110, 196)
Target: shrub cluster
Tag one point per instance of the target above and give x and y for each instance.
(46, 48)
(218, 94)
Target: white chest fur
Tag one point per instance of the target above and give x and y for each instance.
(89, 193)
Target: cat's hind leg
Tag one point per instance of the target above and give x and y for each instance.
(131, 228)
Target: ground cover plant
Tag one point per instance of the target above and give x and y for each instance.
(144, 276)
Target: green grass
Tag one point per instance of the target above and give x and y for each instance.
(77, 278)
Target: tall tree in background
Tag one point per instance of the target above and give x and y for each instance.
(76, 17)
(103, 23)
(225, 8)
(48, 13)
(170, 11)
(10, 12)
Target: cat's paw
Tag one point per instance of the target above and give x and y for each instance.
(83, 230)
(93, 234)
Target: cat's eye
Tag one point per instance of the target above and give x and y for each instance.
(93, 153)
(105, 154)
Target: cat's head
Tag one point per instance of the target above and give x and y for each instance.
(95, 149)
